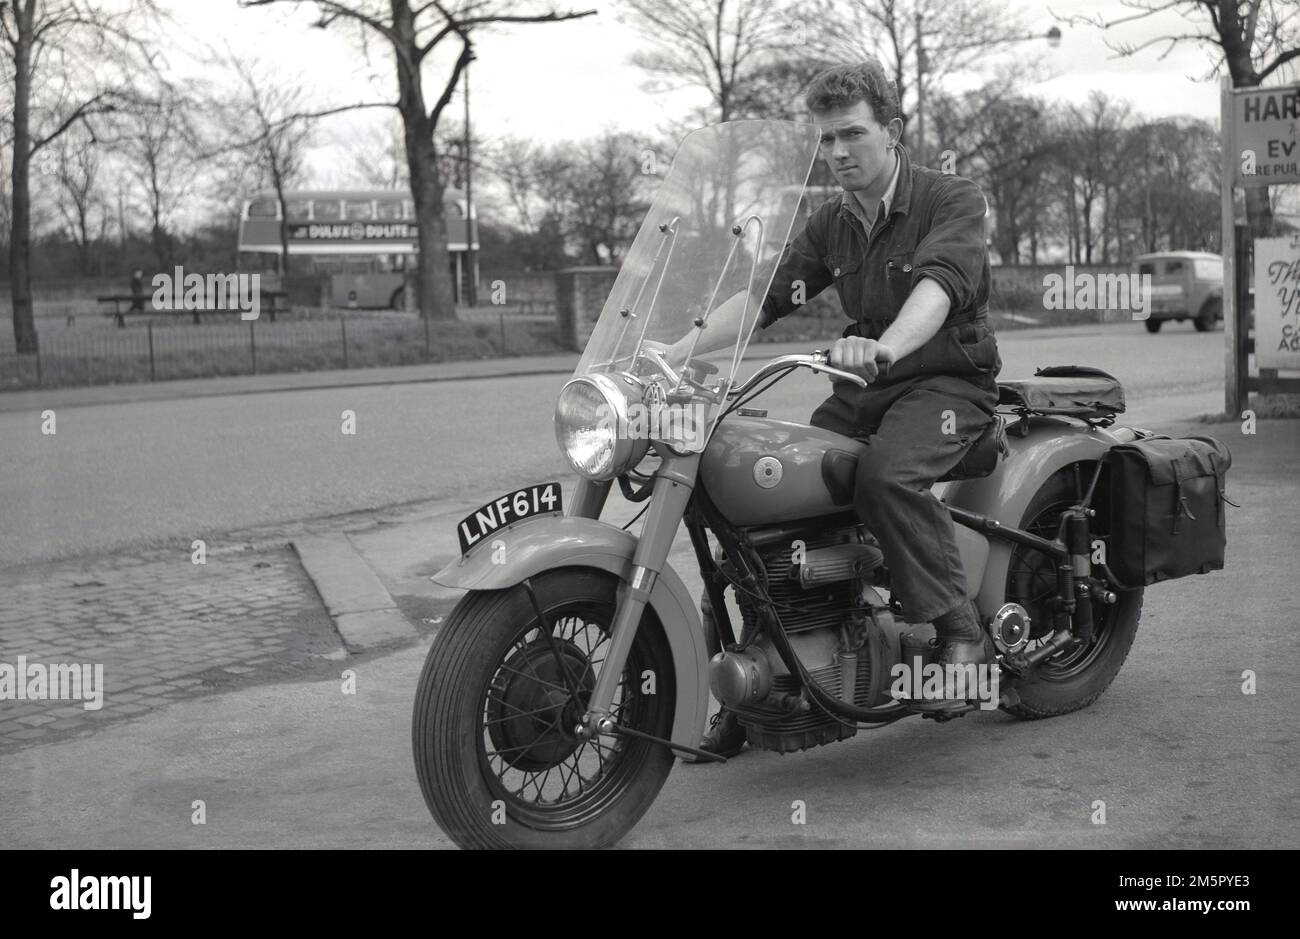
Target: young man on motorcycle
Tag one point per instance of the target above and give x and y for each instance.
(904, 247)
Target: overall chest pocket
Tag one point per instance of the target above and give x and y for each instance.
(898, 276)
(846, 272)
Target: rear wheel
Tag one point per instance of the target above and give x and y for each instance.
(1210, 313)
(1074, 678)
(1153, 326)
(498, 762)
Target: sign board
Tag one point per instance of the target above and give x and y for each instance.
(1277, 303)
(353, 231)
(1266, 136)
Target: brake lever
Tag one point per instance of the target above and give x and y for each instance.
(838, 373)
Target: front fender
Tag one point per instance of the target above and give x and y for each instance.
(1005, 494)
(535, 545)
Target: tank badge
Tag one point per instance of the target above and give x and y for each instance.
(767, 472)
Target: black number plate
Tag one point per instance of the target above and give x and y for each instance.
(512, 507)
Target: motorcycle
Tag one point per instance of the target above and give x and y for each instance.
(577, 668)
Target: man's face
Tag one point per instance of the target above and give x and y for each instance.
(855, 146)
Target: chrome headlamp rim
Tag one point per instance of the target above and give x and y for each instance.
(627, 450)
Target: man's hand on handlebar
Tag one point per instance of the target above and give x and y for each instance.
(674, 355)
(858, 356)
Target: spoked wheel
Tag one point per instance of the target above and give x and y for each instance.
(495, 710)
(1073, 678)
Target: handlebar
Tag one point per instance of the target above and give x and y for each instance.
(818, 361)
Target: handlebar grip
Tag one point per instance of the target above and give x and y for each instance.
(824, 357)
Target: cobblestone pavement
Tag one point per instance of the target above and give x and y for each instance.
(165, 628)
(162, 627)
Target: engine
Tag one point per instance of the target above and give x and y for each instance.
(825, 586)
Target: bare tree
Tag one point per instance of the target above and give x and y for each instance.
(282, 129)
(516, 163)
(605, 190)
(379, 159)
(1095, 143)
(157, 139)
(69, 61)
(711, 44)
(1001, 141)
(589, 196)
(413, 33)
(1253, 39)
(955, 36)
(80, 201)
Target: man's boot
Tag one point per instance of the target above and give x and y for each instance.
(725, 736)
(963, 642)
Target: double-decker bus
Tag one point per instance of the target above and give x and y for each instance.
(365, 240)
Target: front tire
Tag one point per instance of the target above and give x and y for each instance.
(498, 763)
(1075, 678)
(1153, 326)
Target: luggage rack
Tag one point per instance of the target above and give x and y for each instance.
(1087, 394)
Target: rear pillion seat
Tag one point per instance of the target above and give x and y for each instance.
(1068, 390)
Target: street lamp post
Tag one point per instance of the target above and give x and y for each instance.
(1053, 37)
(469, 203)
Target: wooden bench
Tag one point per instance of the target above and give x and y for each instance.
(270, 300)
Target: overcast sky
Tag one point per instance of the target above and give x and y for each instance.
(569, 80)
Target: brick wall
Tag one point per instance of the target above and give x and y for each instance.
(580, 294)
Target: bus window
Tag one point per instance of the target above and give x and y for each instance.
(298, 210)
(358, 211)
(326, 210)
(1173, 267)
(262, 208)
(388, 210)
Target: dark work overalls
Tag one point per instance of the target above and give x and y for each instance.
(920, 419)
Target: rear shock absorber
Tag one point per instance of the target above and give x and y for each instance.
(1080, 567)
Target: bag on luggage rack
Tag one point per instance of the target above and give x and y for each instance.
(1166, 508)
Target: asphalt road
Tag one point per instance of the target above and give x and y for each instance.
(117, 476)
(1175, 754)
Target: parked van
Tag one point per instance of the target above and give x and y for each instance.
(1185, 285)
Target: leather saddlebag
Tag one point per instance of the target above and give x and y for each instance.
(1166, 508)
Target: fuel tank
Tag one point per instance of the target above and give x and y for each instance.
(761, 471)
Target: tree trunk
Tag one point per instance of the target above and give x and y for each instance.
(433, 281)
(20, 239)
(282, 262)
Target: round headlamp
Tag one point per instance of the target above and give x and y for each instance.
(592, 428)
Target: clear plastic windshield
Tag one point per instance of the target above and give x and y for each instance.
(714, 233)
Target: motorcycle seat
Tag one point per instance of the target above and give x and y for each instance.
(983, 456)
(840, 467)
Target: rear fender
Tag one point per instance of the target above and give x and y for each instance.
(535, 545)
(1005, 494)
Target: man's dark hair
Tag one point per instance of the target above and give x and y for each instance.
(842, 85)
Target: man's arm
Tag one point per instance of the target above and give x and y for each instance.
(720, 329)
(800, 274)
(920, 318)
(947, 268)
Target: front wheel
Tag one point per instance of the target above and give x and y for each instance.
(1073, 678)
(1153, 326)
(495, 750)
